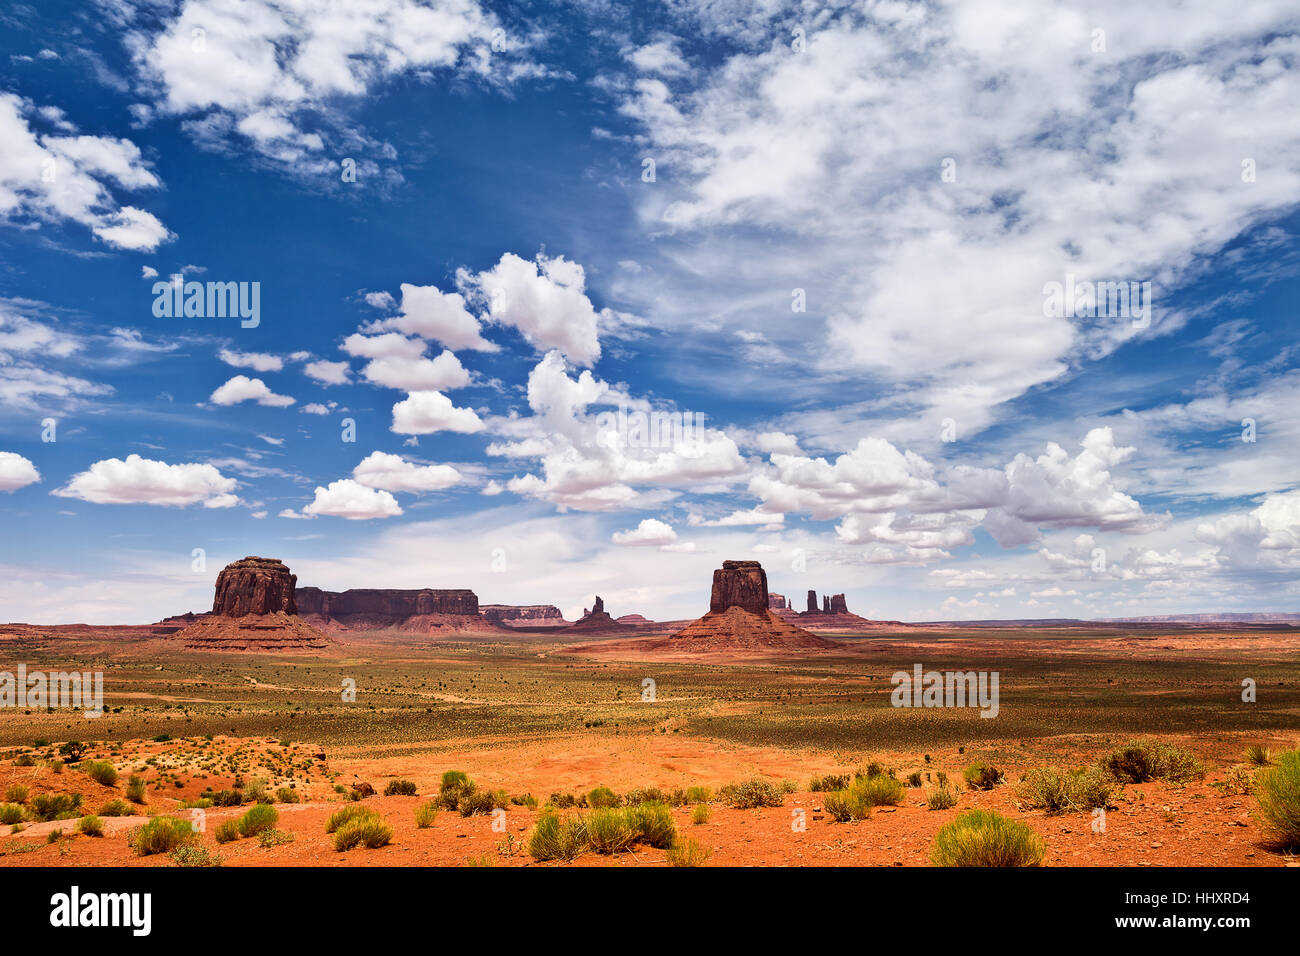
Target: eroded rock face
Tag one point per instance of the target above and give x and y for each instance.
(545, 613)
(377, 607)
(255, 586)
(812, 602)
(741, 584)
(776, 602)
(838, 604)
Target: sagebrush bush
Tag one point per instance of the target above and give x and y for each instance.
(985, 838)
(115, 808)
(843, 806)
(879, 790)
(16, 793)
(54, 806)
(11, 813)
(135, 789)
(752, 793)
(161, 835)
(91, 826)
(273, 837)
(455, 785)
(195, 854)
(941, 797)
(981, 776)
(101, 771)
(701, 814)
(1065, 791)
(346, 815)
(602, 798)
(400, 788)
(609, 830)
(1141, 761)
(261, 816)
(369, 831)
(556, 837)
(688, 853)
(425, 814)
(829, 783)
(653, 823)
(693, 795)
(1277, 789)
(1258, 755)
(482, 801)
(287, 795)
(227, 831)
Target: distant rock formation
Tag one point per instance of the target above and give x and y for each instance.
(739, 618)
(253, 609)
(776, 602)
(838, 604)
(830, 604)
(597, 618)
(415, 610)
(532, 614)
(633, 619)
(812, 602)
(254, 586)
(741, 584)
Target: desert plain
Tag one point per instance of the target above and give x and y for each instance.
(549, 716)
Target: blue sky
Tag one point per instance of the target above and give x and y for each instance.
(828, 229)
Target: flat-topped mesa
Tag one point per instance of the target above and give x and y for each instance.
(741, 584)
(776, 602)
(254, 586)
(386, 603)
(812, 602)
(838, 604)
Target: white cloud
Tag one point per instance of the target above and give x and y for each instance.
(145, 481)
(258, 361)
(16, 471)
(650, 531)
(346, 498)
(55, 178)
(328, 373)
(394, 473)
(148, 272)
(432, 314)
(243, 389)
(422, 413)
(544, 300)
(659, 57)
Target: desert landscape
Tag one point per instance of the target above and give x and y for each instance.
(428, 733)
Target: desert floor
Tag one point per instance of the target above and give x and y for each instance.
(541, 715)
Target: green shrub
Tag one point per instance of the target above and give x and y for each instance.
(653, 823)
(101, 771)
(349, 813)
(115, 808)
(698, 794)
(829, 783)
(227, 831)
(195, 854)
(135, 789)
(914, 778)
(1258, 755)
(609, 830)
(701, 814)
(482, 801)
(879, 790)
(261, 816)
(455, 785)
(688, 853)
(941, 797)
(287, 795)
(425, 814)
(752, 793)
(255, 790)
(554, 837)
(1141, 761)
(601, 798)
(24, 760)
(369, 831)
(273, 837)
(1057, 791)
(91, 826)
(227, 798)
(11, 813)
(562, 801)
(16, 793)
(981, 776)
(985, 838)
(54, 806)
(1278, 791)
(844, 805)
(400, 788)
(161, 835)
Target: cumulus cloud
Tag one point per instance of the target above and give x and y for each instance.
(545, 300)
(244, 389)
(650, 531)
(257, 361)
(394, 473)
(1266, 537)
(52, 178)
(145, 481)
(423, 413)
(349, 499)
(328, 373)
(589, 462)
(430, 313)
(16, 471)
